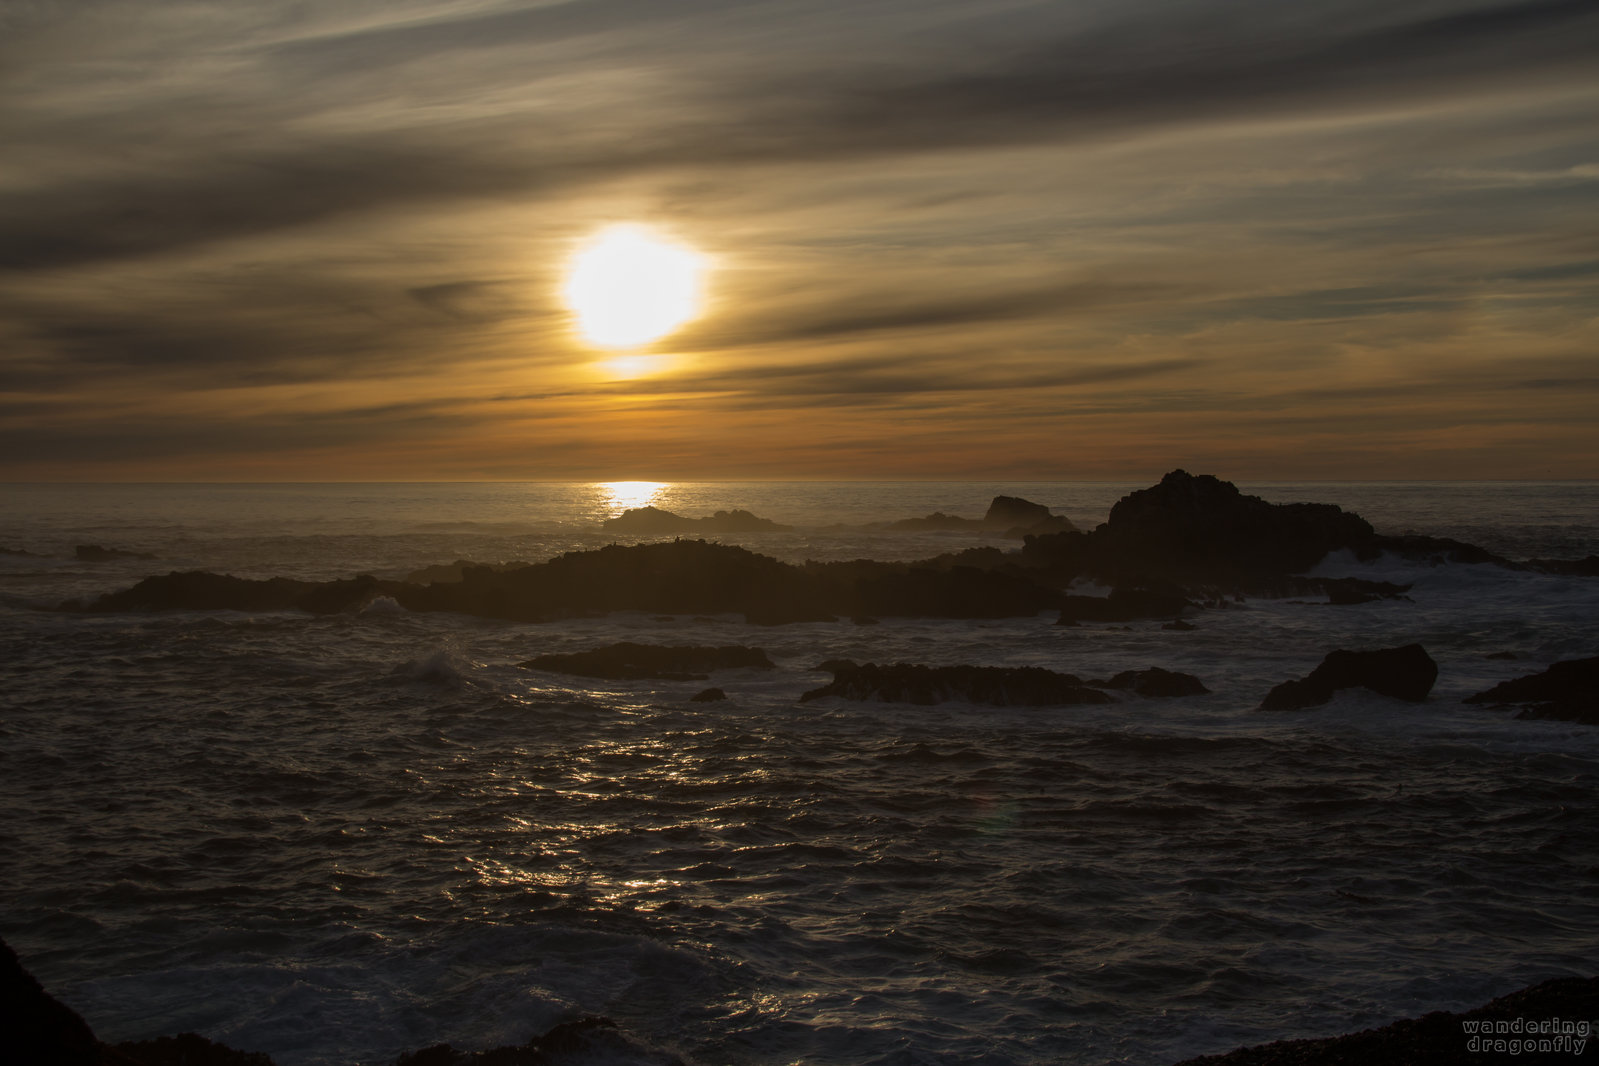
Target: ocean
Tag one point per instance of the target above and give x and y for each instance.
(336, 838)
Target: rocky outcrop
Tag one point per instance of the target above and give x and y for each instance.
(1126, 603)
(1155, 683)
(1405, 673)
(36, 1029)
(996, 686)
(1199, 527)
(452, 572)
(197, 590)
(1568, 691)
(1585, 567)
(93, 553)
(1567, 1005)
(655, 520)
(1009, 516)
(628, 661)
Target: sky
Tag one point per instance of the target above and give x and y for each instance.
(946, 239)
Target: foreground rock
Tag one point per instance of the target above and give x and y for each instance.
(1568, 692)
(1155, 683)
(1405, 673)
(996, 686)
(1568, 1005)
(636, 662)
(655, 520)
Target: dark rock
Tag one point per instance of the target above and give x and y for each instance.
(655, 520)
(1587, 567)
(1126, 603)
(1501, 655)
(20, 552)
(999, 686)
(197, 590)
(1568, 691)
(1435, 551)
(452, 572)
(938, 520)
(1190, 526)
(877, 590)
(93, 553)
(187, 1049)
(36, 1029)
(1179, 626)
(1346, 591)
(1406, 673)
(1156, 682)
(1442, 1039)
(710, 695)
(1020, 518)
(628, 661)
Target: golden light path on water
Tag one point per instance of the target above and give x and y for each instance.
(619, 496)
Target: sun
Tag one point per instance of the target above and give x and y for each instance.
(628, 286)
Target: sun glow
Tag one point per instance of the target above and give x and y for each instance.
(629, 286)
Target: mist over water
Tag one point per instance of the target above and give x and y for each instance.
(336, 838)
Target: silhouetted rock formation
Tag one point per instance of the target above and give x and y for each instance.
(710, 695)
(450, 572)
(1434, 550)
(1406, 673)
(93, 553)
(1010, 516)
(1155, 682)
(1568, 691)
(1443, 1039)
(628, 661)
(197, 590)
(1018, 517)
(36, 1029)
(1190, 528)
(655, 520)
(1348, 591)
(998, 686)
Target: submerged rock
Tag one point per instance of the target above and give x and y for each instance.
(1406, 673)
(1156, 682)
(1567, 1004)
(1568, 692)
(585, 1040)
(998, 686)
(93, 553)
(656, 520)
(628, 661)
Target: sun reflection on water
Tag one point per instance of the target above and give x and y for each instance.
(619, 496)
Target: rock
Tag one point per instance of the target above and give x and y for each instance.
(998, 686)
(1405, 673)
(1199, 526)
(1156, 682)
(186, 1049)
(935, 521)
(1435, 551)
(93, 553)
(1126, 603)
(710, 695)
(1586, 567)
(197, 590)
(628, 661)
(1568, 691)
(655, 520)
(1179, 626)
(452, 572)
(37, 1029)
(1347, 591)
(1444, 1039)
(1019, 518)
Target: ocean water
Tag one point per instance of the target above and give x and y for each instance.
(337, 838)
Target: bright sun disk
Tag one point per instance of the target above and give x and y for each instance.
(629, 286)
